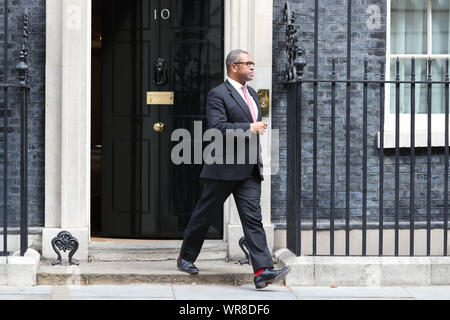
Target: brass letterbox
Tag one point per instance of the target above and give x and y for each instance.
(160, 97)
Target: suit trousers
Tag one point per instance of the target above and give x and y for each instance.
(247, 195)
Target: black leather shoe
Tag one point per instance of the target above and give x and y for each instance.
(186, 266)
(269, 276)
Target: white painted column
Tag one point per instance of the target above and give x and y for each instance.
(76, 120)
(53, 93)
(72, 47)
(248, 26)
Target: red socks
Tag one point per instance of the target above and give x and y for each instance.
(259, 271)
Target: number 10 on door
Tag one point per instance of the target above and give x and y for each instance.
(165, 14)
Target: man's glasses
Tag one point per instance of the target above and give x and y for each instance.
(247, 63)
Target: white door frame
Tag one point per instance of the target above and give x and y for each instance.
(248, 25)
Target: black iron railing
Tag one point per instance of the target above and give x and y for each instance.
(296, 86)
(20, 88)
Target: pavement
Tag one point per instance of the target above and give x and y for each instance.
(220, 292)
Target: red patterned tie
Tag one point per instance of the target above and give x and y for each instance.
(249, 102)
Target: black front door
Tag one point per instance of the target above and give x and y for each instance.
(150, 47)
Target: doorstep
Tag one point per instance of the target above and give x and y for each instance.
(113, 261)
(143, 272)
(151, 250)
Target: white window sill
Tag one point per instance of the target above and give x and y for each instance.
(421, 139)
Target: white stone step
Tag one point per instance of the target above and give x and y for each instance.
(138, 272)
(151, 250)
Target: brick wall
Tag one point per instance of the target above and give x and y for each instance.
(36, 115)
(366, 43)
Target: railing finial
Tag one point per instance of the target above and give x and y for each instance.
(22, 66)
(295, 66)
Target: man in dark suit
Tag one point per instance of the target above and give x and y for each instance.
(233, 107)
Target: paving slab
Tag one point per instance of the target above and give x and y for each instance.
(113, 291)
(25, 297)
(25, 290)
(430, 292)
(327, 292)
(245, 292)
(111, 298)
(220, 292)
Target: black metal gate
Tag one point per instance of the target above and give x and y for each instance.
(20, 88)
(296, 85)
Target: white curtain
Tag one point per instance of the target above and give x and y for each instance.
(440, 26)
(441, 45)
(409, 26)
(409, 36)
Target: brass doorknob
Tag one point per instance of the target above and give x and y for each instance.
(158, 126)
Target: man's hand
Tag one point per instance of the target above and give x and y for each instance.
(258, 127)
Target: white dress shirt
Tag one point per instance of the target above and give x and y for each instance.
(238, 88)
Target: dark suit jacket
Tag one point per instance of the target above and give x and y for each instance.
(225, 109)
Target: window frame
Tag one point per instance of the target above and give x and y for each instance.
(421, 120)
